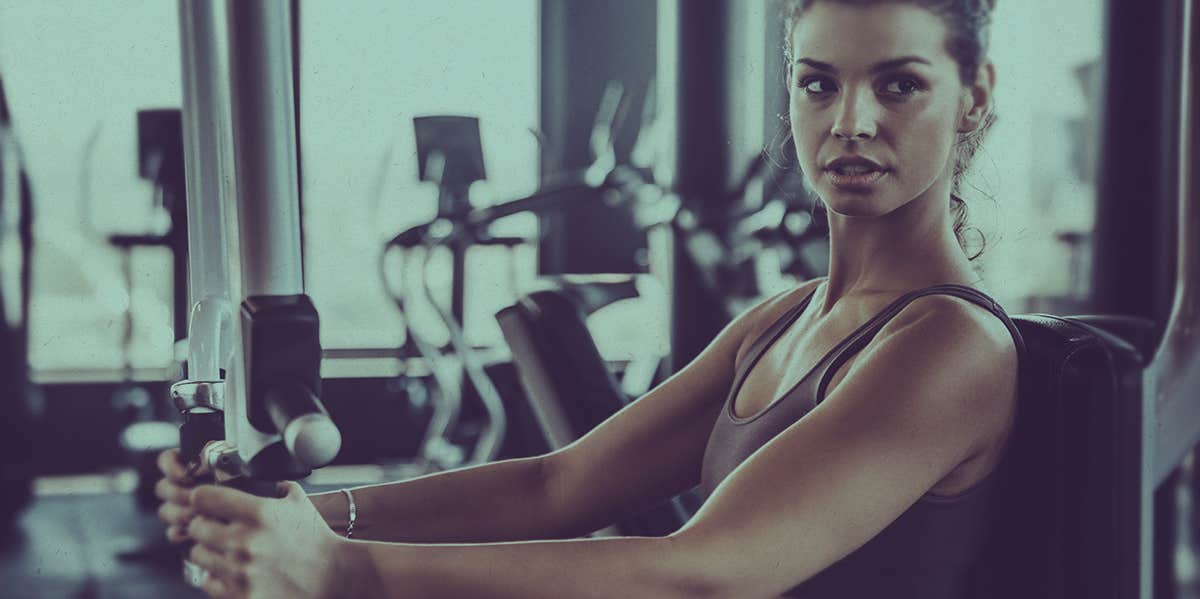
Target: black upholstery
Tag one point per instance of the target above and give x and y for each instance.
(569, 387)
(1066, 521)
(1066, 505)
(556, 359)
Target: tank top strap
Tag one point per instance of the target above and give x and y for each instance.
(769, 335)
(864, 335)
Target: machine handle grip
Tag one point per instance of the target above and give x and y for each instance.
(308, 432)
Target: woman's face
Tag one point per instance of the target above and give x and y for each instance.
(874, 82)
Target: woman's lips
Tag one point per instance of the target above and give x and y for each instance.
(860, 183)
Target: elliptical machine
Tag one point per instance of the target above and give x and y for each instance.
(450, 155)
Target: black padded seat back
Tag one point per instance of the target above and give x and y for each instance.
(569, 387)
(591, 296)
(571, 390)
(1061, 510)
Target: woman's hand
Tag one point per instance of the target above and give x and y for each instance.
(259, 547)
(175, 489)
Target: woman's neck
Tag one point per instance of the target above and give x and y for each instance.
(908, 249)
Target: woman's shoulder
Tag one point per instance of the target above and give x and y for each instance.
(949, 303)
(986, 324)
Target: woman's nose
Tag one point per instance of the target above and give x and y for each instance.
(856, 119)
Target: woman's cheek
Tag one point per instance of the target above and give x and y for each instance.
(805, 141)
(931, 143)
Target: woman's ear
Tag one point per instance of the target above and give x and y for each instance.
(977, 99)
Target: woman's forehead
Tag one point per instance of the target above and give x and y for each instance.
(855, 37)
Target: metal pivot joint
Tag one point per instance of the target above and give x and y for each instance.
(202, 404)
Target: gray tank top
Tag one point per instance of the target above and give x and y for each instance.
(927, 551)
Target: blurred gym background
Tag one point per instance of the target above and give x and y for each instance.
(102, 323)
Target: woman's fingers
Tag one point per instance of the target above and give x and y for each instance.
(176, 534)
(172, 492)
(175, 469)
(174, 510)
(216, 588)
(227, 539)
(174, 514)
(226, 504)
(171, 466)
(217, 565)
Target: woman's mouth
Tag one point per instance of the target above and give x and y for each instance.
(854, 179)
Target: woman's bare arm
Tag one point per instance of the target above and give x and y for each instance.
(499, 501)
(649, 451)
(933, 389)
(791, 509)
(652, 449)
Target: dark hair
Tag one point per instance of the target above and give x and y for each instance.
(968, 22)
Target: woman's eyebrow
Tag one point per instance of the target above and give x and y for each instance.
(881, 66)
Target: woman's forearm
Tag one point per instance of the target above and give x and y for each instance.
(578, 568)
(499, 501)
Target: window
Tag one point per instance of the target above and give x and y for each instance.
(76, 75)
(1039, 160)
(365, 73)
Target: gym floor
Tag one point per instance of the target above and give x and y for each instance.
(90, 546)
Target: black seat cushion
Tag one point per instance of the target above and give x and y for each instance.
(1062, 511)
(559, 362)
(569, 387)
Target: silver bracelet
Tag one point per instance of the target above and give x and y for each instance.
(353, 513)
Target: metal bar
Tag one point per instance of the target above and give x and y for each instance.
(206, 172)
(294, 29)
(1171, 408)
(265, 147)
(1136, 174)
(207, 169)
(1174, 375)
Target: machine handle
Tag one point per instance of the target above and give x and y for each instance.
(308, 432)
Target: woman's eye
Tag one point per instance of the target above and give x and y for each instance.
(819, 86)
(902, 87)
(814, 86)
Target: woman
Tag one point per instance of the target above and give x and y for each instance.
(844, 432)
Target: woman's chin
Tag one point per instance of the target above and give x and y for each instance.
(855, 205)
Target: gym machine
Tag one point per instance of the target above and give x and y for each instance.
(450, 155)
(16, 244)
(264, 421)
